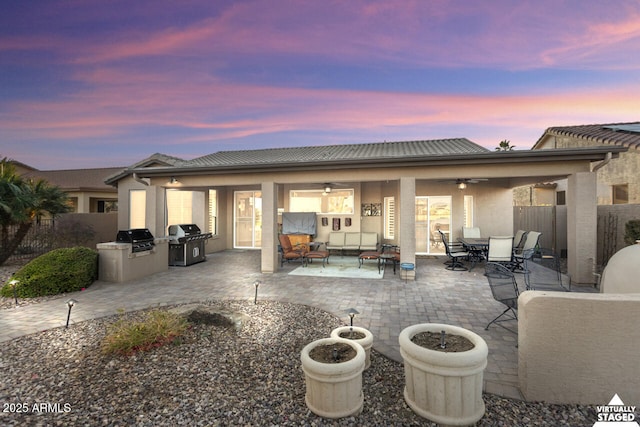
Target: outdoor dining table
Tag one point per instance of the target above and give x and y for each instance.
(477, 248)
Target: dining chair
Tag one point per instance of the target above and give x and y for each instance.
(455, 255)
(500, 250)
(471, 232)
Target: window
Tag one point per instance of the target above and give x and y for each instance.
(335, 202)
(137, 208)
(561, 198)
(620, 194)
(213, 212)
(389, 217)
(468, 211)
(179, 207)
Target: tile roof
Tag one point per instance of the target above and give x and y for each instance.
(370, 151)
(77, 179)
(611, 133)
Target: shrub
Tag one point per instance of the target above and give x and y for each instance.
(632, 231)
(56, 272)
(157, 328)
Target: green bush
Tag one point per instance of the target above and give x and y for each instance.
(156, 329)
(56, 272)
(632, 231)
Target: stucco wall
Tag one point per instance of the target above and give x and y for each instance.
(578, 348)
(623, 170)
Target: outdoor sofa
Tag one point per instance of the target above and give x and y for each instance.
(352, 241)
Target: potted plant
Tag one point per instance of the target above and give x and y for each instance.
(444, 368)
(333, 377)
(360, 335)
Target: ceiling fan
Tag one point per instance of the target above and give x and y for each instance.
(461, 183)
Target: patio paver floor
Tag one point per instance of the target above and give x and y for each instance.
(386, 305)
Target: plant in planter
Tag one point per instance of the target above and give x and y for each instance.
(360, 335)
(444, 368)
(333, 376)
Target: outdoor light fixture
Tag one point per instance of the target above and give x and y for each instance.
(13, 284)
(327, 189)
(173, 180)
(352, 313)
(256, 284)
(70, 304)
(462, 185)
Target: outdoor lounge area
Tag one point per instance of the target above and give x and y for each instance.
(386, 305)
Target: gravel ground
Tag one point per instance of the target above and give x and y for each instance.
(214, 376)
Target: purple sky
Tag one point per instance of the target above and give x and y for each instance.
(107, 83)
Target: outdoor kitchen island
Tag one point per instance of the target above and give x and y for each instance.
(134, 254)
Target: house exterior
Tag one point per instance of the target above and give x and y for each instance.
(85, 188)
(619, 182)
(402, 191)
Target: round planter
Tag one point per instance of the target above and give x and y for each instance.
(334, 390)
(365, 342)
(445, 388)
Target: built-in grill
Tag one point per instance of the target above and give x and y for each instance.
(140, 239)
(186, 244)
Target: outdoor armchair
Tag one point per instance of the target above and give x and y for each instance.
(471, 232)
(500, 250)
(527, 251)
(288, 253)
(455, 254)
(504, 290)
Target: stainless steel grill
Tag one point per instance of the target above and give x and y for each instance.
(186, 244)
(140, 239)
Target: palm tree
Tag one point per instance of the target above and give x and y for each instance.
(505, 145)
(21, 203)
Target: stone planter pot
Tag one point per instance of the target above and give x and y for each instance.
(334, 390)
(445, 388)
(365, 342)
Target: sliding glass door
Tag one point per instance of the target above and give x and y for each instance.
(247, 232)
(433, 213)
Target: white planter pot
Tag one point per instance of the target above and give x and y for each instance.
(334, 390)
(365, 342)
(445, 388)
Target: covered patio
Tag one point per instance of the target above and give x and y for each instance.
(386, 305)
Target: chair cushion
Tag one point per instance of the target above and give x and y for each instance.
(368, 241)
(370, 255)
(351, 241)
(336, 240)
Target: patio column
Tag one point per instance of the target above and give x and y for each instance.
(269, 252)
(582, 223)
(407, 225)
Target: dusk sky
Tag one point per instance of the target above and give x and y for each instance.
(108, 83)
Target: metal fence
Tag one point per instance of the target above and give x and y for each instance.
(39, 240)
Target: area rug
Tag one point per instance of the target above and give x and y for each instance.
(343, 267)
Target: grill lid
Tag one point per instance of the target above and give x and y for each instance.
(135, 235)
(183, 230)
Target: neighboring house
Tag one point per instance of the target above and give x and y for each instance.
(85, 188)
(617, 185)
(402, 191)
(619, 181)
